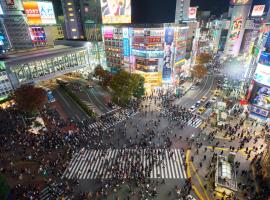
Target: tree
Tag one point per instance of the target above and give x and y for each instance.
(199, 71)
(4, 188)
(122, 86)
(138, 84)
(29, 98)
(99, 71)
(203, 58)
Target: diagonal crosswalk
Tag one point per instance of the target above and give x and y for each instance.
(126, 163)
(115, 119)
(195, 123)
(52, 192)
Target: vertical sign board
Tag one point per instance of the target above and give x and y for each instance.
(168, 53)
(126, 46)
(192, 12)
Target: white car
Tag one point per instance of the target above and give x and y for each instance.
(192, 108)
(214, 99)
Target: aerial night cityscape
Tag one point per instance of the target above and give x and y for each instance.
(134, 99)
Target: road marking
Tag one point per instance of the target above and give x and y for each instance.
(90, 164)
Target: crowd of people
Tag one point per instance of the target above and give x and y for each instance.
(41, 159)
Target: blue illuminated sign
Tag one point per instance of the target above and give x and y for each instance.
(126, 46)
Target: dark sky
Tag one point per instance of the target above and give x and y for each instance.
(162, 11)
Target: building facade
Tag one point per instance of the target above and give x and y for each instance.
(181, 11)
(240, 13)
(73, 21)
(156, 51)
(15, 24)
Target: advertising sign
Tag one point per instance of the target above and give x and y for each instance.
(38, 13)
(168, 54)
(240, 2)
(192, 11)
(115, 11)
(10, 2)
(258, 10)
(126, 46)
(262, 74)
(153, 39)
(2, 66)
(259, 111)
(236, 28)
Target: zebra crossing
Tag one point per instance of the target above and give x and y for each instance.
(115, 119)
(195, 123)
(56, 193)
(104, 164)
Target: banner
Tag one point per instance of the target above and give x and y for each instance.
(115, 11)
(258, 10)
(192, 12)
(168, 54)
(39, 13)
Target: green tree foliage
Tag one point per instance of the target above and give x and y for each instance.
(4, 188)
(30, 98)
(203, 58)
(125, 85)
(138, 83)
(199, 71)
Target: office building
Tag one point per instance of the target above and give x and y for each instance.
(156, 51)
(73, 21)
(239, 15)
(182, 10)
(15, 25)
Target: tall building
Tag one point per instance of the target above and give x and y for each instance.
(181, 11)
(90, 11)
(239, 15)
(73, 20)
(156, 51)
(15, 25)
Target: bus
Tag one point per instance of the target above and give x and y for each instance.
(61, 81)
(50, 95)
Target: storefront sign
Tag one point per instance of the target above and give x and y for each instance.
(259, 111)
(153, 39)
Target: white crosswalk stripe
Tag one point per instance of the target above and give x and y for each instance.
(193, 123)
(112, 163)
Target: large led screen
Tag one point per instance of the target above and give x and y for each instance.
(116, 11)
(39, 13)
(262, 74)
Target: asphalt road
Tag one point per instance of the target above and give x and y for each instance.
(207, 85)
(96, 97)
(70, 107)
(139, 121)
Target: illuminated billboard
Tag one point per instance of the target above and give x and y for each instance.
(240, 2)
(236, 28)
(116, 11)
(262, 74)
(39, 13)
(192, 11)
(168, 55)
(258, 10)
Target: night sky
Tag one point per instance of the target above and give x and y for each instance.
(162, 11)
